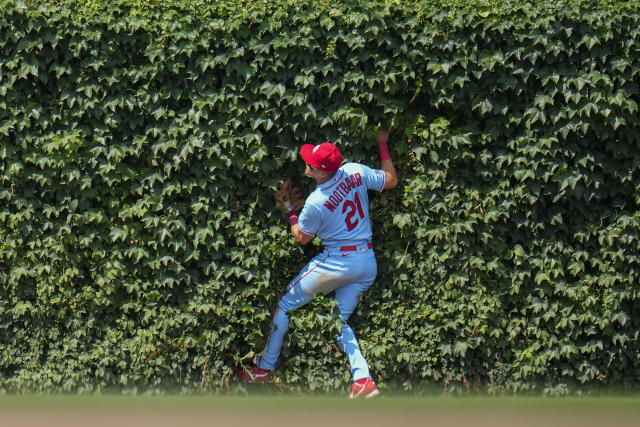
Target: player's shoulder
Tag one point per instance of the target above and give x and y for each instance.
(353, 167)
(358, 168)
(315, 198)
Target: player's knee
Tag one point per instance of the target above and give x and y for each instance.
(345, 317)
(284, 306)
(288, 305)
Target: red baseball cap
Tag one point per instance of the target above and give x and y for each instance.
(325, 156)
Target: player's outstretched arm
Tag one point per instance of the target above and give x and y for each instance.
(382, 137)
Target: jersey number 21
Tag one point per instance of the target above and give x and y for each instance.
(351, 207)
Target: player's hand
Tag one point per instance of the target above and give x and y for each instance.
(382, 136)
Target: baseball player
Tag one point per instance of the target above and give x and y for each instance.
(337, 211)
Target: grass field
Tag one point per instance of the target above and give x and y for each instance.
(385, 411)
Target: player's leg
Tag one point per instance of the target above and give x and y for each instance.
(348, 297)
(295, 297)
(323, 274)
(363, 384)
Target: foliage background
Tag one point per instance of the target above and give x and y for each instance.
(140, 144)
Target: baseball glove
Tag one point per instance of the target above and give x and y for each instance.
(287, 194)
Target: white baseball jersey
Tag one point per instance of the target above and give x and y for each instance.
(338, 210)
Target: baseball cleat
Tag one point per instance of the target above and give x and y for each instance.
(254, 374)
(364, 388)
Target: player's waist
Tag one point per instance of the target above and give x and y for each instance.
(350, 246)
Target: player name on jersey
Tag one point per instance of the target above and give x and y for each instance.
(343, 189)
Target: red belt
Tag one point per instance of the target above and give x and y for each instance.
(354, 247)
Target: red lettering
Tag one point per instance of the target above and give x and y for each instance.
(350, 183)
(344, 188)
(329, 206)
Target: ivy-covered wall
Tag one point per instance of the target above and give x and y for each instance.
(140, 143)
